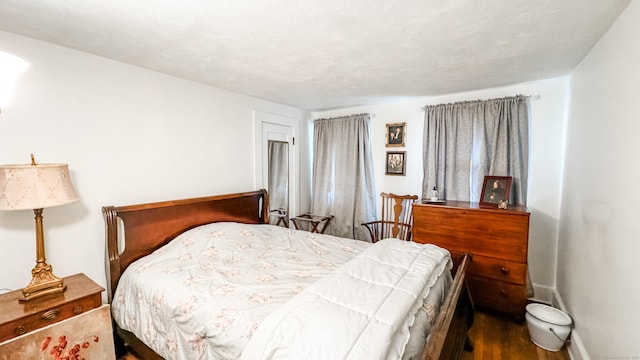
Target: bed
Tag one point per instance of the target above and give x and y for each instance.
(142, 237)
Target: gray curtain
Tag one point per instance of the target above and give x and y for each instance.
(448, 136)
(343, 174)
(465, 141)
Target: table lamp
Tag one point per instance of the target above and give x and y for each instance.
(35, 187)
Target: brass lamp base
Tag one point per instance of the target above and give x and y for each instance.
(42, 283)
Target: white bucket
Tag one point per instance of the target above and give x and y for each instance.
(548, 326)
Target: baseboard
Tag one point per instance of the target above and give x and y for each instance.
(543, 294)
(575, 348)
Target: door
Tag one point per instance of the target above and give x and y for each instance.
(277, 161)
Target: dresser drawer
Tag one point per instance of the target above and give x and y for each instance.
(45, 317)
(498, 295)
(498, 269)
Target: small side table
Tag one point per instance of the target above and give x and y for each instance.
(17, 318)
(314, 220)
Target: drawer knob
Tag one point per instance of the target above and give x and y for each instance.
(78, 309)
(504, 271)
(503, 293)
(50, 315)
(20, 330)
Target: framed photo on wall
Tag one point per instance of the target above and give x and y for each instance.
(395, 134)
(495, 189)
(396, 163)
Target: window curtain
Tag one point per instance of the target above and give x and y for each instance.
(465, 141)
(343, 183)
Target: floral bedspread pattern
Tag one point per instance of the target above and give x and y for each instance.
(204, 294)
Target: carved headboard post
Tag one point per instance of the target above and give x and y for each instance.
(111, 232)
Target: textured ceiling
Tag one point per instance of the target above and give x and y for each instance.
(324, 54)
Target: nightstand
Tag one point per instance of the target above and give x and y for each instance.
(17, 318)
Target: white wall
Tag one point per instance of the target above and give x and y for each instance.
(547, 122)
(132, 135)
(600, 232)
(129, 136)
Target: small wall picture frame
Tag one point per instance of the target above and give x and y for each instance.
(395, 134)
(396, 163)
(495, 190)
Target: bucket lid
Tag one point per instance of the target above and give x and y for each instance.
(549, 314)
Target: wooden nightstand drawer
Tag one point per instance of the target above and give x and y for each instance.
(498, 269)
(46, 316)
(18, 318)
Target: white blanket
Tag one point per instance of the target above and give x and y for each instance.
(362, 310)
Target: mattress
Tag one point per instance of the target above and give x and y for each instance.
(204, 295)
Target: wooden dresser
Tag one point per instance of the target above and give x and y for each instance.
(498, 241)
(17, 318)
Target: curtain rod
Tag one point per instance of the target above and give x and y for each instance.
(341, 116)
(532, 97)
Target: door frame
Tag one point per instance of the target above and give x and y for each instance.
(261, 119)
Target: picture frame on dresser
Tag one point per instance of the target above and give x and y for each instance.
(495, 189)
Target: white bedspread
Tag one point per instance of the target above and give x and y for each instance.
(204, 295)
(388, 282)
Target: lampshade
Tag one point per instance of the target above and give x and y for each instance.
(11, 67)
(38, 186)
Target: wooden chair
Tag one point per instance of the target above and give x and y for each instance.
(397, 218)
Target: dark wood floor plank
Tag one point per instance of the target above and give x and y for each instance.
(498, 337)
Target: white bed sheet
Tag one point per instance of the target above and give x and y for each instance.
(203, 295)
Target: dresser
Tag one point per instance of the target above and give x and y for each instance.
(17, 318)
(498, 241)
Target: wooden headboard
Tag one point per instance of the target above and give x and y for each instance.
(142, 229)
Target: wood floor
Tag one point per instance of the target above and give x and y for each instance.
(494, 338)
(498, 337)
